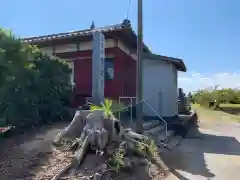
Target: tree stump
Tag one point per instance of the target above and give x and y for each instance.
(95, 130)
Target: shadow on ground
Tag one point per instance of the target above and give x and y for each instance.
(189, 156)
(233, 111)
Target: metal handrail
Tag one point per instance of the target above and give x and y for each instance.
(131, 105)
(165, 123)
(143, 101)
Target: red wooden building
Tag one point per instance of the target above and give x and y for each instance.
(76, 47)
(160, 72)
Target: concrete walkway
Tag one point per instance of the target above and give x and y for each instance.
(212, 152)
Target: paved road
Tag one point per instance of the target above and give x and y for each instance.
(215, 154)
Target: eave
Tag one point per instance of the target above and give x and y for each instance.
(121, 31)
(178, 63)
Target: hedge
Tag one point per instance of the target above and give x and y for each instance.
(34, 87)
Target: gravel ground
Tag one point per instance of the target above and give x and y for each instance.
(24, 155)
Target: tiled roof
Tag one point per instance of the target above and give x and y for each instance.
(126, 24)
(85, 32)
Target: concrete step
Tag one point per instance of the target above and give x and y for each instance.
(155, 130)
(158, 135)
(150, 125)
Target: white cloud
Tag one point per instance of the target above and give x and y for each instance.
(195, 81)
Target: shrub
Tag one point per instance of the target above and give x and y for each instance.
(34, 87)
(227, 95)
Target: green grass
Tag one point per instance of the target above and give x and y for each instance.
(216, 114)
(233, 106)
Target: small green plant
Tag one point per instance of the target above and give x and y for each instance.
(141, 148)
(116, 161)
(147, 147)
(152, 148)
(109, 106)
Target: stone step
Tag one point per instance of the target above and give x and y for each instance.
(150, 125)
(156, 130)
(158, 135)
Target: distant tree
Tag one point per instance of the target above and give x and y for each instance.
(216, 95)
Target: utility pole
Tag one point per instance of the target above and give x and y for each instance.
(139, 76)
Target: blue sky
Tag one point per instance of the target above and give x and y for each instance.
(205, 33)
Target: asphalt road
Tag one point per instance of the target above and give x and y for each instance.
(211, 152)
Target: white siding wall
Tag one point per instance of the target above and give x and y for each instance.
(83, 46)
(160, 88)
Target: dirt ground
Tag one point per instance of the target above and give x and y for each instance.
(21, 157)
(26, 156)
(213, 152)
